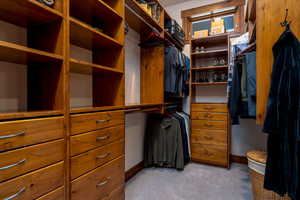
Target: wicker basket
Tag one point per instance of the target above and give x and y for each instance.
(257, 163)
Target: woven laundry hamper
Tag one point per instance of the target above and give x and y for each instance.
(257, 165)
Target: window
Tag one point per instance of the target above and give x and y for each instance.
(206, 24)
(201, 18)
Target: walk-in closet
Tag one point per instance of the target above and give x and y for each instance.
(149, 100)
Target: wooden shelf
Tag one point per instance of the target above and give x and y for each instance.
(141, 106)
(210, 67)
(94, 109)
(27, 12)
(210, 53)
(95, 9)
(83, 67)
(250, 48)
(30, 114)
(88, 37)
(211, 83)
(212, 38)
(135, 22)
(19, 54)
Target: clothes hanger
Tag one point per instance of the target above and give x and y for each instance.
(286, 23)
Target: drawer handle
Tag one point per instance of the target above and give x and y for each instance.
(103, 156)
(208, 153)
(208, 125)
(15, 195)
(13, 165)
(103, 137)
(13, 135)
(208, 116)
(209, 107)
(102, 121)
(208, 137)
(103, 183)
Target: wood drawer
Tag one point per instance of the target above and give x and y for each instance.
(100, 182)
(87, 141)
(211, 125)
(211, 154)
(58, 194)
(117, 194)
(34, 184)
(81, 123)
(214, 137)
(210, 107)
(209, 116)
(92, 159)
(15, 134)
(20, 161)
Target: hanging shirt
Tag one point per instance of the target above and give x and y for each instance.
(282, 121)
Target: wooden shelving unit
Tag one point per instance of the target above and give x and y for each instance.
(210, 53)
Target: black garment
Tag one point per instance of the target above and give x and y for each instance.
(250, 63)
(283, 119)
(163, 142)
(185, 144)
(171, 70)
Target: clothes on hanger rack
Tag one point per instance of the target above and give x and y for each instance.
(177, 66)
(242, 93)
(167, 140)
(282, 122)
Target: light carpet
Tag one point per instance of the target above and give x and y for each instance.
(196, 182)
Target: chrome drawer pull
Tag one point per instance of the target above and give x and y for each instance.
(103, 137)
(208, 137)
(13, 165)
(13, 135)
(15, 195)
(103, 156)
(209, 107)
(208, 125)
(104, 182)
(102, 120)
(208, 116)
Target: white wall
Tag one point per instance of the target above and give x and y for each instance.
(135, 123)
(13, 77)
(246, 136)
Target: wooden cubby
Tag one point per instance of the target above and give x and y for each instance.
(104, 66)
(39, 54)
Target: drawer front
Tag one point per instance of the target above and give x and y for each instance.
(20, 161)
(211, 125)
(92, 159)
(91, 140)
(15, 134)
(211, 154)
(214, 137)
(210, 108)
(209, 116)
(81, 123)
(57, 194)
(100, 182)
(118, 194)
(35, 184)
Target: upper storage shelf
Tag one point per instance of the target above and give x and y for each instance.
(29, 12)
(135, 22)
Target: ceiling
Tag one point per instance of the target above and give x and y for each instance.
(172, 2)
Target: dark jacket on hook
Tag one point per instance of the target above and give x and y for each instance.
(283, 119)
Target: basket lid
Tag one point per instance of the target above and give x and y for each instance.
(258, 156)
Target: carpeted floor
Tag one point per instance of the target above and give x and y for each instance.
(196, 182)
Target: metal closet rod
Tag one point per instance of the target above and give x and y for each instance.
(141, 18)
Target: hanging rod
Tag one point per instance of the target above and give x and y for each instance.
(141, 18)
